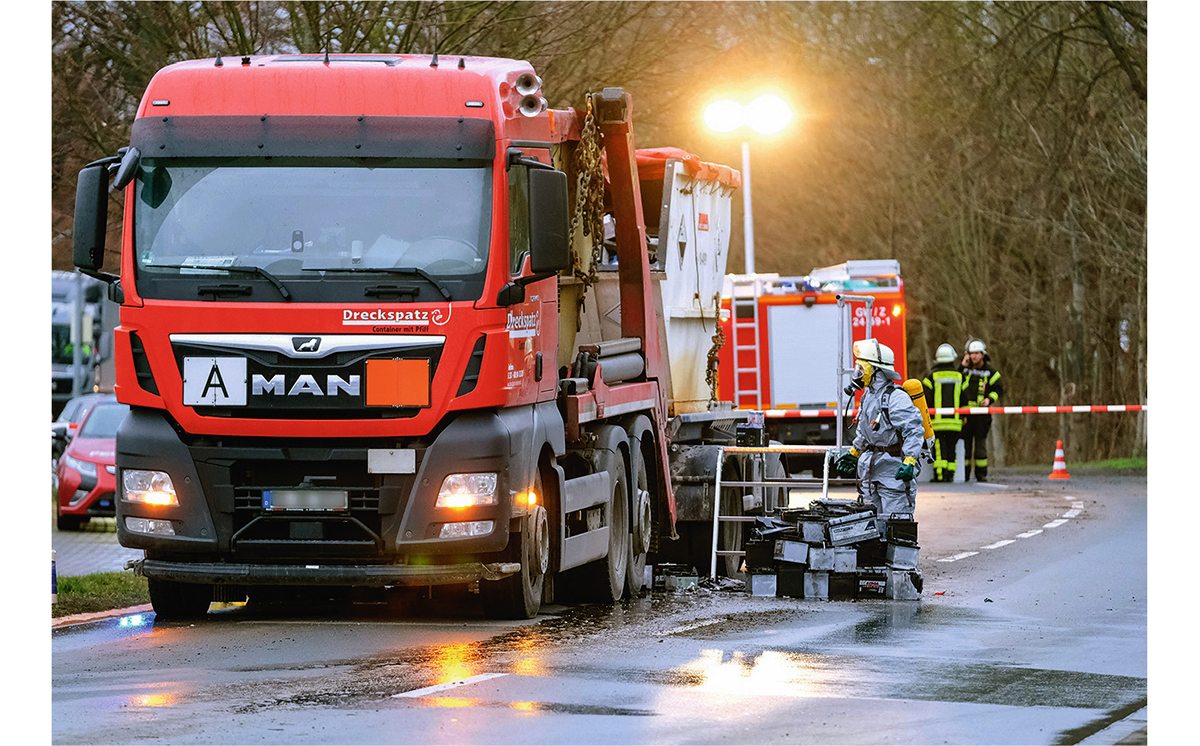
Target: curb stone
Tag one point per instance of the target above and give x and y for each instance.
(66, 621)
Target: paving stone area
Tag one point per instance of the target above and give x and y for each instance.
(93, 548)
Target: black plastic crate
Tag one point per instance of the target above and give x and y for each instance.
(790, 582)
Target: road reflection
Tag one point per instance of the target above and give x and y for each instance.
(768, 673)
(162, 699)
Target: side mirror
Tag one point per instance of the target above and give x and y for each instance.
(549, 223)
(131, 158)
(91, 217)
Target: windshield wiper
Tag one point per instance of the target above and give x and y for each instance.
(245, 269)
(407, 271)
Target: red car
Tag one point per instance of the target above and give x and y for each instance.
(87, 469)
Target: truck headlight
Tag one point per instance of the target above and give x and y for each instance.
(467, 490)
(148, 487)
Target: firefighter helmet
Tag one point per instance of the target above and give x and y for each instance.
(944, 354)
(976, 345)
(873, 352)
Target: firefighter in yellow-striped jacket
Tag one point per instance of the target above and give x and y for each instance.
(943, 389)
(982, 387)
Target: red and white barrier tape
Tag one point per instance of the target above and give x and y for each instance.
(790, 413)
(1041, 410)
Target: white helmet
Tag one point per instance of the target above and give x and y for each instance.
(876, 354)
(944, 354)
(976, 345)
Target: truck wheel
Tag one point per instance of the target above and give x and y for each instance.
(607, 576)
(177, 601)
(641, 524)
(519, 596)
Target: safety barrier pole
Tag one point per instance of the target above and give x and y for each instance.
(722, 452)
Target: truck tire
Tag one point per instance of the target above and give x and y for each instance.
(179, 601)
(519, 596)
(606, 577)
(639, 540)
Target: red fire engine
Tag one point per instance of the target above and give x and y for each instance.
(782, 352)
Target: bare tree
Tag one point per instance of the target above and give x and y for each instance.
(998, 150)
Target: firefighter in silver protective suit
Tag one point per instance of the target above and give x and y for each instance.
(889, 436)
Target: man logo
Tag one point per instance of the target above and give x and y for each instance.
(306, 344)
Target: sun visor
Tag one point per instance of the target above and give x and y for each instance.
(458, 138)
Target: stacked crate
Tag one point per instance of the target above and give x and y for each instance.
(835, 550)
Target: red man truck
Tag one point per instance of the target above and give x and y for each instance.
(783, 352)
(373, 334)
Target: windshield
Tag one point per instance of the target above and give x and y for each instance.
(103, 420)
(304, 220)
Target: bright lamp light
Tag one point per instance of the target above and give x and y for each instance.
(724, 116)
(768, 114)
(467, 490)
(148, 487)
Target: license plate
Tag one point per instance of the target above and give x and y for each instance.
(305, 500)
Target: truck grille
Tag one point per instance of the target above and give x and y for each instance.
(306, 534)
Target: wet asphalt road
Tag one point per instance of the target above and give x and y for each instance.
(1031, 629)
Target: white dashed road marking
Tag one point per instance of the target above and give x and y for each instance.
(1076, 509)
(448, 685)
(960, 555)
(999, 544)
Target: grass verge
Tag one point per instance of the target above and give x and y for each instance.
(1113, 463)
(100, 591)
(1114, 466)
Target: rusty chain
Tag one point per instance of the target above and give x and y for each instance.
(589, 196)
(710, 375)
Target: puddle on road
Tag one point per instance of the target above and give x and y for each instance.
(776, 647)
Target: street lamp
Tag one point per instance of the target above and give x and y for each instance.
(767, 115)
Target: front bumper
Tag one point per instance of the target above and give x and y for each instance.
(391, 517)
(376, 576)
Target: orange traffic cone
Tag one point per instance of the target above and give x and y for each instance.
(1060, 464)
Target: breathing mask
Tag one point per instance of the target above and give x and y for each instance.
(862, 377)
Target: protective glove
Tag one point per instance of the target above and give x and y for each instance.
(847, 463)
(907, 470)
